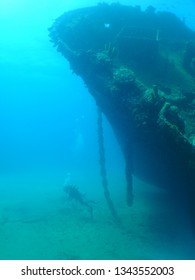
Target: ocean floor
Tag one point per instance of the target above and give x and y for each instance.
(37, 221)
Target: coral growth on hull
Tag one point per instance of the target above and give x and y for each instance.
(140, 68)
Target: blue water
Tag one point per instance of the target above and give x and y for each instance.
(48, 136)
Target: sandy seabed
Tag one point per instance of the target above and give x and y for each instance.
(36, 223)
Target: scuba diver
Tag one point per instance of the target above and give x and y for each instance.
(74, 194)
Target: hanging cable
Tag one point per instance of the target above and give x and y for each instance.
(103, 167)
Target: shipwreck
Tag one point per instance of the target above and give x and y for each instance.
(140, 68)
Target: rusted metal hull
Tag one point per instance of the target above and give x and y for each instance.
(138, 65)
